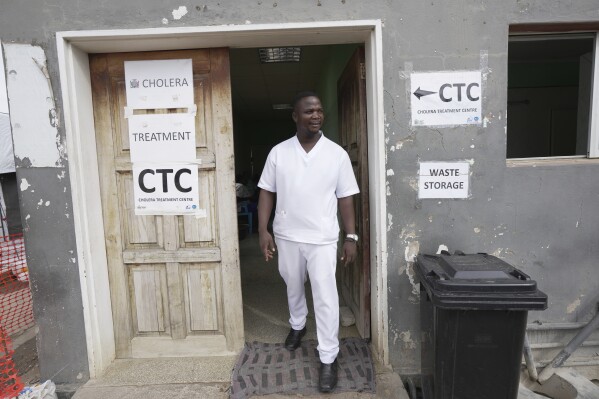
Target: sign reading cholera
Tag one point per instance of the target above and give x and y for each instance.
(162, 145)
(159, 84)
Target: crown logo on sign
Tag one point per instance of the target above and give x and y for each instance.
(134, 83)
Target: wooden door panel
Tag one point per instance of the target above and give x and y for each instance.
(351, 98)
(175, 285)
(352, 288)
(209, 254)
(202, 294)
(148, 285)
(121, 130)
(203, 125)
(140, 230)
(198, 232)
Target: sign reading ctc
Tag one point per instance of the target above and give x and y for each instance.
(168, 189)
(165, 179)
(446, 98)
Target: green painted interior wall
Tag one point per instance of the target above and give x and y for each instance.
(327, 87)
(543, 74)
(253, 139)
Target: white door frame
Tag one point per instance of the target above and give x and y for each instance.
(73, 49)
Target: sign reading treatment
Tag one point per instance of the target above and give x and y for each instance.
(446, 98)
(162, 137)
(443, 180)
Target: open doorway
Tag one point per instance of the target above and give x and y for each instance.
(264, 80)
(73, 50)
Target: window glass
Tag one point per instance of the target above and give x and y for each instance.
(549, 93)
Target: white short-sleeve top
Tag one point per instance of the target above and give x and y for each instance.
(308, 186)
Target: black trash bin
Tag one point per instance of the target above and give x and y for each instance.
(473, 320)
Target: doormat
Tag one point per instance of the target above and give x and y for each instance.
(263, 369)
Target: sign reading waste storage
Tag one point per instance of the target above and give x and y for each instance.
(168, 189)
(443, 180)
(159, 84)
(446, 98)
(162, 137)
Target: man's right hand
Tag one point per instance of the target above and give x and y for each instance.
(267, 245)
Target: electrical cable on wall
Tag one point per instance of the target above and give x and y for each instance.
(3, 219)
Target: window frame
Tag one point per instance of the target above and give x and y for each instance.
(528, 33)
(593, 151)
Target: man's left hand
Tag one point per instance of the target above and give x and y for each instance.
(350, 249)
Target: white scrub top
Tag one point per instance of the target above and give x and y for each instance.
(308, 186)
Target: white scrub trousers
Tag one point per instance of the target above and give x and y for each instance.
(298, 260)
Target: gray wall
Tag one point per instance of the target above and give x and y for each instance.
(542, 219)
(11, 211)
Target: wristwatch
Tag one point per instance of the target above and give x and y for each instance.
(351, 237)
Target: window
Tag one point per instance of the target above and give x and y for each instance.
(550, 96)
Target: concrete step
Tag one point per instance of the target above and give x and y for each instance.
(195, 378)
(525, 393)
(566, 383)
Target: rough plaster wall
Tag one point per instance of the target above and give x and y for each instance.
(45, 202)
(33, 115)
(54, 275)
(526, 215)
(533, 217)
(464, 42)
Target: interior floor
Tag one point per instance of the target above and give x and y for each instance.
(265, 311)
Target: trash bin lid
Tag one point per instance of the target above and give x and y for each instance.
(477, 281)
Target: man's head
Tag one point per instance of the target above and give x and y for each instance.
(308, 114)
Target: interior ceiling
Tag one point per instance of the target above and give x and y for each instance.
(257, 86)
(536, 49)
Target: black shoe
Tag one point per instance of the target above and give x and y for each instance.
(294, 339)
(328, 377)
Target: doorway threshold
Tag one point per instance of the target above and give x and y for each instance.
(202, 377)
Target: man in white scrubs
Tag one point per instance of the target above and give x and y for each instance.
(312, 178)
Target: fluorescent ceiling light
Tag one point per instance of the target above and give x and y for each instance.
(280, 54)
(281, 106)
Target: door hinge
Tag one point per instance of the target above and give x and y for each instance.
(362, 71)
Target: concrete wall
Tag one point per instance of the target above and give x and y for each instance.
(539, 218)
(46, 212)
(542, 219)
(9, 200)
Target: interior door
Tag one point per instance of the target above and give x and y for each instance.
(351, 99)
(174, 280)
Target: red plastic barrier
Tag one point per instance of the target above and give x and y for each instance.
(16, 310)
(10, 382)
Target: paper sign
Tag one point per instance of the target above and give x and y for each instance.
(444, 180)
(165, 189)
(159, 84)
(162, 137)
(446, 98)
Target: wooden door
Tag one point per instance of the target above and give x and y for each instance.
(351, 99)
(174, 280)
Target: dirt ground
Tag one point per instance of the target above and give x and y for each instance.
(25, 359)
